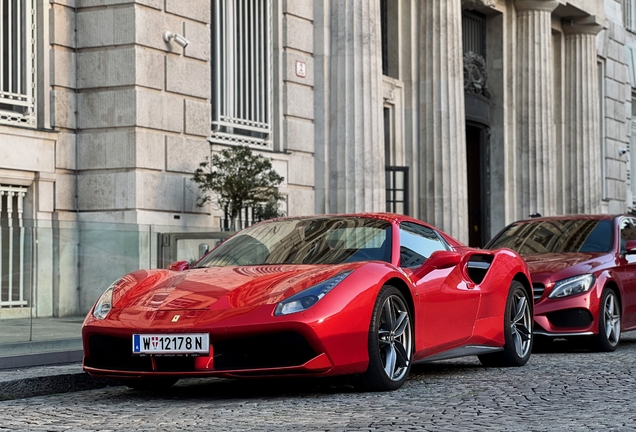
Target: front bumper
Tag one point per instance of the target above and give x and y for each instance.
(577, 315)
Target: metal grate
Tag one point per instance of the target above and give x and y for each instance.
(17, 62)
(241, 72)
(474, 33)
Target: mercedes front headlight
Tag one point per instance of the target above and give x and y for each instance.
(572, 286)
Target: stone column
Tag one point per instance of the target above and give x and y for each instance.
(534, 155)
(581, 152)
(356, 177)
(442, 133)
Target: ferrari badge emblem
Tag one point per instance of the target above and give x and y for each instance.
(176, 318)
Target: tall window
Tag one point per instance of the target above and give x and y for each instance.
(629, 13)
(242, 72)
(17, 62)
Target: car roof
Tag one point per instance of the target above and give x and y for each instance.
(573, 217)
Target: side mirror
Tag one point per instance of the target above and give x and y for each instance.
(438, 260)
(630, 247)
(179, 266)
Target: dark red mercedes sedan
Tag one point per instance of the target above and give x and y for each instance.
(583, 271)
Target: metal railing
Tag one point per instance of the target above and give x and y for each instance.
(17, 62)
(241, 72)
(13, 247)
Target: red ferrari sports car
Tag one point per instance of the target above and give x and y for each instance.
(365, 295)
(583, 271)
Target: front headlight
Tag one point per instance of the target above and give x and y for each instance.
(104, 303)
(307, 298)
(573, 285)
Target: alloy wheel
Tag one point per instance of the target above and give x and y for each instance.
(612, 319)
(394, 337)
(521, 324)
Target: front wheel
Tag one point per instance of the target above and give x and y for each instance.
(517, 330)
(390, 342)
(609, 326)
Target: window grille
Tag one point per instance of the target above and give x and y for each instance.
(17, 62)
(474, 33)
(13, 247)
(242, 72)
(397, 189)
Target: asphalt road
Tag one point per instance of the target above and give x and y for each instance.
(564, 387)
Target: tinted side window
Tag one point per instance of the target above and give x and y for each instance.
(417, 243)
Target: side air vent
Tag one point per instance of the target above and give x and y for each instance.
(478, 266)
(538, 289)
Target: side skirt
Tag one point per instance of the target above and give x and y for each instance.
(468, 350)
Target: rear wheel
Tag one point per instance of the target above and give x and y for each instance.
(390, 342)
(151, 384)
(517, 330)
(609, 326)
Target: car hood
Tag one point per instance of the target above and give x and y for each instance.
(565, 264)
(217, 287)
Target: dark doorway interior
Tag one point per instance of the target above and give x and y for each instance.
(475, 161)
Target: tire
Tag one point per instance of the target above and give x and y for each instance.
(517, 330)
(390, 342)
(609, 322)
(151, 384)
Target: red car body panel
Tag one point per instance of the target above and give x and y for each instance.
(237, 303)
(611, 269)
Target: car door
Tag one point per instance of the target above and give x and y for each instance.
(626, 270)
(447, 306)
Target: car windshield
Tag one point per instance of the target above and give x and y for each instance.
(544, 236)
(328, 240)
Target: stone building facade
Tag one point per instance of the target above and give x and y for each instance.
(468, 114)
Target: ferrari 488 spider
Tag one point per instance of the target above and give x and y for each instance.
(365, 295)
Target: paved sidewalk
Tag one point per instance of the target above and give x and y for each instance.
(44, 380)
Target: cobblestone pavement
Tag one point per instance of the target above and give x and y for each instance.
(564, 388)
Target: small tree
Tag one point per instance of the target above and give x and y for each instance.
(239, 179)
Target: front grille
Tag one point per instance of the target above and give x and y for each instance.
(114, 353)
(263, 351)
(538, 289)
(570, 318)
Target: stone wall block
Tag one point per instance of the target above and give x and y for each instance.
(198, 10)
(102, 150)
(106, 27)
(64, 68)
(300, 8)
(289, 71)
(301, 170)
(298, 101)
(63, 108)
(110, 108)
(150, 152)
(299, 135)
(65, 151)
(191, 194)
(188, 77)
(300, 202)
(65, 186)
(149, 27)
(107, 191)
(150, 68)
(160, 111)
(200, 40)
(106, 68)
(184, 154)
(62, 22)
(158, 191)
(198, 118)
(298, 34)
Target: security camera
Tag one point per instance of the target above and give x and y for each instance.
(180, 40)
(622, 151)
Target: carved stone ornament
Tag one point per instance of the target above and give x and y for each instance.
(475, 75)
(472, 4)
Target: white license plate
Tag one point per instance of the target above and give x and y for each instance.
(175, 343)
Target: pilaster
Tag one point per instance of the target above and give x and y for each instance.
(581, 152)
(355, 147)
(442, 134)
(535, 174)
